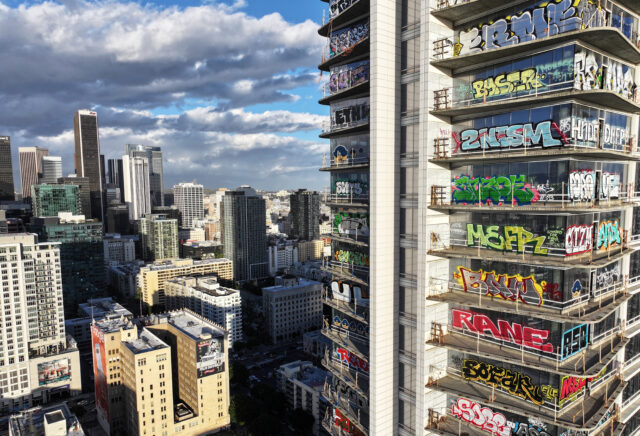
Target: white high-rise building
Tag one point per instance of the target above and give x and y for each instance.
(207, 298)
(188, 198)
(35, 355)
(30, 167)
(51, 169)
(136, 186)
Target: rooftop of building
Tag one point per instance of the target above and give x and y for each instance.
(34, 422)
(111, 325)
(119, 237)
(189, 323)
(103, 308)
(289, 282)
(145, 342)
(128, 268)
(198, 244)
(305, 372)
(208, 285)
(177, 263)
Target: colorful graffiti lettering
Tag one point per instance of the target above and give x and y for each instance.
(505, 286)
(582, 185)
(336, 7)
(497, 190)
(348, 76)
(347, 292)
(345, 223)
(342, 40)
(512, 136)
(354, 257)
(546, 19)
(505, 331)
(491, 237)
(610, 186)
(513, 382)
(345, 391)
(571, 387)
(344, 424)
(574, 340)
(588, 74)
(507, 83)
(346, 116)
(482, 417)
(553, 236)
(350, 187)
(354, 361)
(608, 275)
(608, 234)
(351, 325)
(522, 429)
(552, 291)
(549, 392)
(578, 239)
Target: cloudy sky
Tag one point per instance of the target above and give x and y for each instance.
(228, 89)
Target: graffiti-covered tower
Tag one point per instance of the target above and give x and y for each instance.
(531, 140)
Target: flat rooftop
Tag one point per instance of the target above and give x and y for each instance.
(302, 283)
(181, 263)
(190, 324)
(111, 325)
(103, 308)
(207, 285)
(145, 342)
(31, 422)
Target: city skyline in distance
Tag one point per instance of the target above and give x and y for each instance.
(229, 112)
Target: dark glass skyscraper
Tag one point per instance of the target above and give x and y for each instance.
(87, 157)
(304, 215)
(244, 234)
(6, 170)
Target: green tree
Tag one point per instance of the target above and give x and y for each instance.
(239, 374)
(241, 409)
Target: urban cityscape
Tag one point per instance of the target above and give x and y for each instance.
(393, 218)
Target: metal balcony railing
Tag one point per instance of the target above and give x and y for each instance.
(445, 148)
(333, 162)
(444, 47)
(348, 199)
(352, 308)
(328, 127)
(439, 286)
(444, 98)
(560, 196)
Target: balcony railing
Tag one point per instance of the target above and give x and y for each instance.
(328, 128)
(330, 162)
(445, 48)
(351, 411)
(444, 97)
(445, 149)
(599, 349)
(446, 196)
(439, 287)
(352, 308)
(348, 199)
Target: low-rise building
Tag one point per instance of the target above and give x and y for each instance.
(207, 298)
(153, 277)
(168, 378)
(122, 278)
(292, 307)
(302, 383)
(281, 256)
(191, 234)
(310, 250)
(200, 250)
(118, 249)
(56, 420)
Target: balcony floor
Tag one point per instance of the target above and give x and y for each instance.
(539, 208)
(594, 405)
(571, 366)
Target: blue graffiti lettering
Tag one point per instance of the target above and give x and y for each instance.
(510, 136)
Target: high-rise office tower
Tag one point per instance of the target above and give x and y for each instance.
(159, 237)
(136, 185)
(7, 192)
(188, 198)
(244, 233)
(156, 175)
(116, 174)
(51, 169)
(87, 158)
(30, 168)
(500, 170)
(84, 191)
(37, 362)
(82, 254)
(304, 214)
(49, 200)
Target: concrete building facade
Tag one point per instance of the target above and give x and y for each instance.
(51, 169)
(30, 168)
(87, 158)
(188, 198)
(136, 189)
(159, 237)
(304, 214)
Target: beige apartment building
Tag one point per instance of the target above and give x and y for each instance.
(175, 352)
(152, 278)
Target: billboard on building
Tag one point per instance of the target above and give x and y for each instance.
(99, 374)
(54, 371)
(210, 357)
